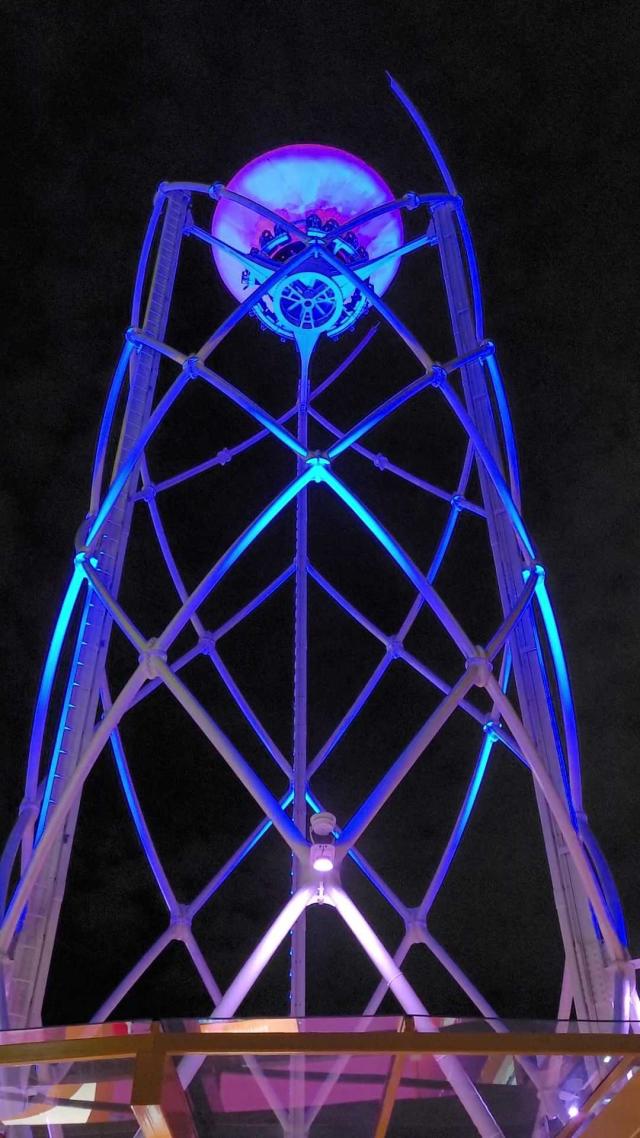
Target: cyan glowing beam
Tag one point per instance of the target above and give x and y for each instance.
(46, 685)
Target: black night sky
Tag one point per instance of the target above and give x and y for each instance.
(534, 106)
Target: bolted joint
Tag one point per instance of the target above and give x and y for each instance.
(148, 493)
(132, 336)
(457, 502)
(28, 806)
(215, 190)
(224, 456)
(536, 568)
(83, 554)
(481, 667)
(489, 729)
(207, 643)
(192, 367)
(318, 461)
(438, 375)
(411, 199)
(180, 923)
(415, 926)
(394, 647)
(150, 657)
(488, 348)
(381, 461)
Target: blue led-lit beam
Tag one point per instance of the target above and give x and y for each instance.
(261, 267)
(132, 459)
(432, 145)
(228, 453)
(143, 261)
(107, 424)
(249, 304)
(213, 637)
(362, 269)
(383, 411)
(560, 813)
(491, 467)
(455, 200)
(59, 813)
(382, 463)
(195, 368)
(218, 190)
(510, 621)
(399, 769)
(250, 406)
(252, 604)
(382, 535)
(115, 610)
(135, 809)
(163, 544)
(393, 644)
(376, 302)
(248, 713)
(235, 550)
(236, 859)
(261, 794)
(513, 466)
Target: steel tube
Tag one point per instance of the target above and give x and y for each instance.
(57, 816)
(403, 764)
(238, 764)
(450, 1065)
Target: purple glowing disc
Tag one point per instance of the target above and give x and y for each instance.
(298, 182)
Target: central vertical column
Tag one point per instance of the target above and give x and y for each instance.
(298, 933)
(298, 954)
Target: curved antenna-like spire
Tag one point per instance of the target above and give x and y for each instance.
(414, 113)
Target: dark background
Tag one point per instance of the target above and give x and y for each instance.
(534, 107)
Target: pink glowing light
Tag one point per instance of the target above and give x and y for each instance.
(294, 182)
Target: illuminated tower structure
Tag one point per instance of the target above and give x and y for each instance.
(308, 239)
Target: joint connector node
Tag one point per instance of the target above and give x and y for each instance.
(412, 200)
(83, 557)
(224, 456)
(416, 927)
(381, 461)
(28, 806)
(132, 336)
(148, 493)
(215, 190)
(318, 461)
(536, 568)
(207, 643)
(489, 729)
(192, 367)
(180, 923)
(481, 666)
(150, 658)
(438, 375)
(457, 502)
(394, 647)
(161, 191)
(488, 347)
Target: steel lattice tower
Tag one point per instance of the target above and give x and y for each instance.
(313, 275)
